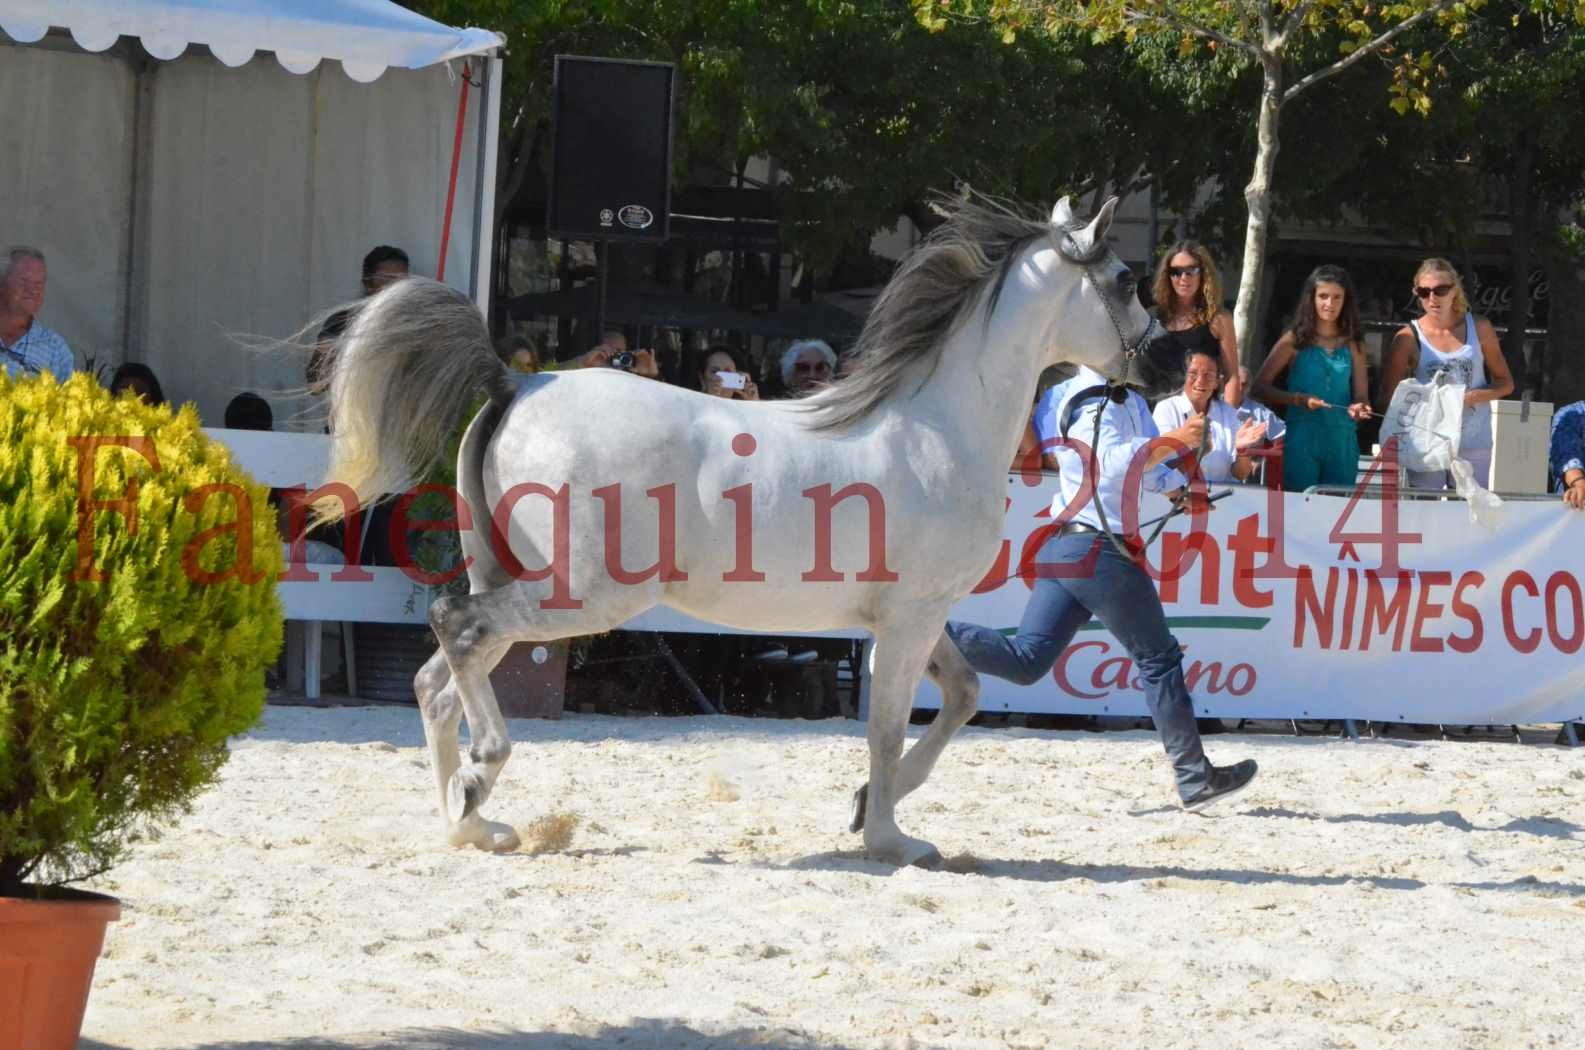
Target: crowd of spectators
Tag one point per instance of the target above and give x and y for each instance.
(718, 369)
(1318, 375)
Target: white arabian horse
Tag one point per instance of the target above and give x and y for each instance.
(595, 494)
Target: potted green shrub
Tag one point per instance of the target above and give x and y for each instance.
(137, 616)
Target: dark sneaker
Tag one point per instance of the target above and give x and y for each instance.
(1225, 782)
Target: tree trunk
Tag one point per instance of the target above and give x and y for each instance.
(1521, 216)
(1257, 195)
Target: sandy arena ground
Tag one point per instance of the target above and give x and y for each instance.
(1386, 893)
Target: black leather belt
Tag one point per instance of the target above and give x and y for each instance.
(1072, 528)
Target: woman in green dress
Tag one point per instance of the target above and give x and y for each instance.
(1326, 394)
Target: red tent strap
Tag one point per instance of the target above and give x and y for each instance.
(456, 162)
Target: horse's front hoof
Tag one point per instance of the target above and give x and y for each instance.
(905, 852)
(861, 798)
(501, 838)
(488, 835)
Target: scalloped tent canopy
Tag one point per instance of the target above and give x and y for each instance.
(366, 36)
(190, 202)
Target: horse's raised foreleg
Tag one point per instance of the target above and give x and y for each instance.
(474, 631)
(960, 693)
(898, 659)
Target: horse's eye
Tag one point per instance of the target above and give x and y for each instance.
(1126, 282)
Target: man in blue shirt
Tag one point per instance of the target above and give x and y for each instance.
(26, 346)
(1082, 572)
(1566, 454)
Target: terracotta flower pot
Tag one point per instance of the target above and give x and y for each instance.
(48, 949)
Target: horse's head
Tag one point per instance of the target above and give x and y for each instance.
(1109, 331)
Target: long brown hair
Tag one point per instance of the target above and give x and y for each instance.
(1210, 294)
(1304, 314)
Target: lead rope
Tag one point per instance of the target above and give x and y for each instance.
(1114, 387)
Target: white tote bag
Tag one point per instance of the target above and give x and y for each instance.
(1427, 420)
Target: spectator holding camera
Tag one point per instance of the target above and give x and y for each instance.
(721, 374)
(613, 353)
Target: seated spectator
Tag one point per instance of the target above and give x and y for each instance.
(807, 365)
(517, 353)
(721, 374)
(1236, 395)
(1228, 440)
(382, 266)
(27, 347)
(1566, 454)
(1043, 425)
(249, 411)
(140, 380)
(1027, 456)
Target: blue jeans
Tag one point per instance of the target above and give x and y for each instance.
(1092, 576)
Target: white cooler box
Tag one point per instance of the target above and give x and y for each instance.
(1519, 437)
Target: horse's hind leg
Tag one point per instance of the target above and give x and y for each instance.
(474, 631)
(441, 708)
(960, 693)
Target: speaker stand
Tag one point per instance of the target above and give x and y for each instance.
(602, 251)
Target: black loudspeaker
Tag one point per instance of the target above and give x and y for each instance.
(610, 173)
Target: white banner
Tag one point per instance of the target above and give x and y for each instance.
(1294, 606)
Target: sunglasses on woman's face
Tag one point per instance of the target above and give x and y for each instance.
(1437, 290)
(1183, 271)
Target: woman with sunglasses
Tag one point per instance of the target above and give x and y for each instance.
(1188, 294)
(1449, 338)
(1324, 354)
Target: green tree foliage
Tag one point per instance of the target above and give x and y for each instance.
(863, 109)
(129, 651)
(1289, 45)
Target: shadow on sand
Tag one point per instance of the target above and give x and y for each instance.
(643, 1033)
(1050, 870)
(1550, 827)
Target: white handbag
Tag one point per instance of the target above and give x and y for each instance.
(1427, 421)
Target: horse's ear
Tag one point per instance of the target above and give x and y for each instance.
(1095, 232)
(1062, 214)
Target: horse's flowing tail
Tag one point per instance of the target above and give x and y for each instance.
(411, 363)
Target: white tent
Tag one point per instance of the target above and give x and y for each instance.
(186, 191)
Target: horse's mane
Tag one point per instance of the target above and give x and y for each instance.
(935, 285)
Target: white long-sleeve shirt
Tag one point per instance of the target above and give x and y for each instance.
(1125, 430)
(1222, 420)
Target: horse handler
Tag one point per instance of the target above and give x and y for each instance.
(1083, 571)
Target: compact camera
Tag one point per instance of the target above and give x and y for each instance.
(732, 380)
(624, 359)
